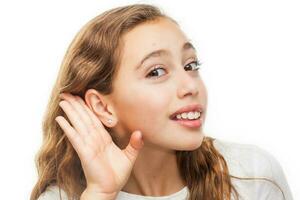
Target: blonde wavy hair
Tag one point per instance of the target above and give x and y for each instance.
(91, 62)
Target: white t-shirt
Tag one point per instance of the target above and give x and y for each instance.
(243, 160)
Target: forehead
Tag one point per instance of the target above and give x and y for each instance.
(149, 36)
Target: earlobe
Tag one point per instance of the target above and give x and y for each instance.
(110, 122)
(99, 105)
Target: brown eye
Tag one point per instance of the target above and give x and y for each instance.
(195, 65)
(155, 72)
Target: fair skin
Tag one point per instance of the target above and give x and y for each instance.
(145, 103)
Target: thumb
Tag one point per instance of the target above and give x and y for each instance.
(135, 144)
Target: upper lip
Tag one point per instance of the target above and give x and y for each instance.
(188, 108)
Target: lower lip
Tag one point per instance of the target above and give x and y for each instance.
(190, 123)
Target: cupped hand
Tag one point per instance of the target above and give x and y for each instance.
(106, 167)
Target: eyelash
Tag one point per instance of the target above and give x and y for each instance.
(198, 64)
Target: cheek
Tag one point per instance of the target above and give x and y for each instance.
(145, 109)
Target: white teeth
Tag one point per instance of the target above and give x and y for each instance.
(188, 115)
(191, 115)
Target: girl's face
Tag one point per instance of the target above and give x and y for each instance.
(143, 98)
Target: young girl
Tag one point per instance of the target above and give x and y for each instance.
(125, 121)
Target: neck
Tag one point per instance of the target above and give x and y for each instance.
(155, 173)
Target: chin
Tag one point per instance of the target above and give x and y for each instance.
(191, 146)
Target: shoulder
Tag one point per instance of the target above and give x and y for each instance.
(52, 193)
(247, 159)
(252, 161)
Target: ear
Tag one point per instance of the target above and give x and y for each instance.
(101, 106)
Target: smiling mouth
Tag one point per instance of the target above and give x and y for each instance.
(187, 116)
(190, 123)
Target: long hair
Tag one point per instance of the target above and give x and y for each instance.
(91, 62)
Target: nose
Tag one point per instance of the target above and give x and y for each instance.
(188, 84)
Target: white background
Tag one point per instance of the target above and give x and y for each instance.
(251, 65)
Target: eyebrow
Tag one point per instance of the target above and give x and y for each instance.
(157, 53)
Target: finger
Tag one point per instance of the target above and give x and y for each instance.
(74, 118)
(92, 116)
(84, 116)
(71, 134)
(134, 146)
(97, 122)
(96, 133)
